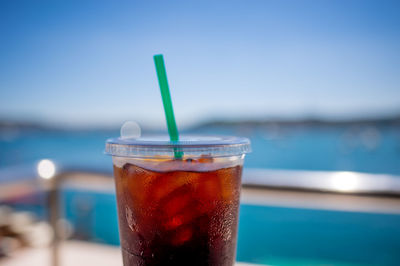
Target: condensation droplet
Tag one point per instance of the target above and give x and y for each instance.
(130, 130)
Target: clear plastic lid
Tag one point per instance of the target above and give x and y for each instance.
(192, 146)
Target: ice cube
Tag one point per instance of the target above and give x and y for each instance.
(229, 182)
(168, 182)
(130, 219)
(176, 201)
(137, 183)
(184, 217)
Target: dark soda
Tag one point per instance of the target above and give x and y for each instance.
(178, 216)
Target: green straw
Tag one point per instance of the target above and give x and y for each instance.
(167, 102)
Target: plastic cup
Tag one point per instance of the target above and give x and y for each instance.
(178, 211)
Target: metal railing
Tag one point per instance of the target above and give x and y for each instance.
(324, 181)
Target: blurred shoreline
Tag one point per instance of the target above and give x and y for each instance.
(393, 120)
(361, 145)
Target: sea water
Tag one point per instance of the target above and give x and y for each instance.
(346, 148)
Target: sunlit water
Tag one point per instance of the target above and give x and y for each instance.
(352, 148)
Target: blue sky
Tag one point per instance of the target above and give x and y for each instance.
(90, 63)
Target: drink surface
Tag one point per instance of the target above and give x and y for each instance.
(178, 217)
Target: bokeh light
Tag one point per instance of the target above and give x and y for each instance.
(46, 169)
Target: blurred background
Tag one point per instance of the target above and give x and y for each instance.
(315, 85)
